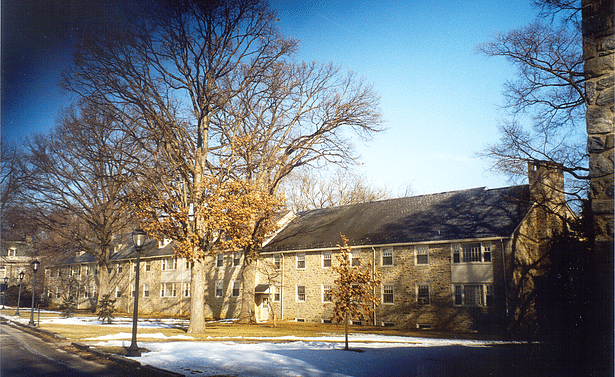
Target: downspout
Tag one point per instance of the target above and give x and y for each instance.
(504, 274)
(282, 291)
(373, 288)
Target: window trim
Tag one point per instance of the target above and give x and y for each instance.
(459, 254)
(486, 295)
(300, 258)
(219, 288)
(299, 294)
(219, 260)
(420, 300)
(385, 293)
(419, 251)
(382, 256)
(327, 256)
(236, 288)
(326, 291)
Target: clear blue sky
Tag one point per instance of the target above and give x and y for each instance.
(439, 97)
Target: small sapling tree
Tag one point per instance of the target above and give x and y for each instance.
(353, 293)
(107, 308)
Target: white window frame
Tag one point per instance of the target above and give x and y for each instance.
(462, 254)
(277, 261)
(219, 260)
(486, 295)
(12, 252)
(276, 293)
(219, 288)
(168, 289)
(300, 261)
(385, 289)
(419, 251)
(386, 253)
(186, 289)
(326, 259)
(355, 258)
(148, 265)
(236, 288)
(301, 296)
(145, 290)
(421, 299)
(326, 291)
(236, 259)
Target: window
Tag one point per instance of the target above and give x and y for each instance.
(301, 293)
(12, 252)
(168, 290)
(486, 252)
(169, 264)
(300, 260)
(356, 261)
(146, 290)
(475, 252)
(148, 266)
(87, 269)
(119, 269)
(236, 259)
(422, 294)
(236, 285)
(58, 293)
(87, 292)
(219, 288)
(387, 257)
(471, 252)
(276, 295)
(387, 294)
(186, 289)
(133, 292)
(219, 260)
(326, 293)
(277, 261)
(118, 292)
(188, 265)
(473, 295)
(326, 259)
(422, 254)
(134, 267)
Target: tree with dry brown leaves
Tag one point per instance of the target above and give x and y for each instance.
(353, 293)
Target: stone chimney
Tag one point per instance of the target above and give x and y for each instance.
(546, 180)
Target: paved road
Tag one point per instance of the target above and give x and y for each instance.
(25, 355)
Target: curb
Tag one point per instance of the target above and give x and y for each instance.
(141, 370)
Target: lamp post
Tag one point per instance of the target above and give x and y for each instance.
(138, 238)
(21, 275)
(6, 286)
(35, 265)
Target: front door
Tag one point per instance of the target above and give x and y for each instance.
(265, 309)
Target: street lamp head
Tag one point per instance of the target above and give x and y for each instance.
(138, 237)
(35, 265)
(21, 275)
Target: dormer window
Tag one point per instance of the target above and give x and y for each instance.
(12, 252)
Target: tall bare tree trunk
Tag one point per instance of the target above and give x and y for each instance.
(248, 278)
(197, 297)
(103, 282)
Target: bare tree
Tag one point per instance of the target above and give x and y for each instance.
(79, 180)
(172, 69)
(546, 101)
(308, 189)
(296, 115)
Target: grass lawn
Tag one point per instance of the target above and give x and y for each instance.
(217, 331)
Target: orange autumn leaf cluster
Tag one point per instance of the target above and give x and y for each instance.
(220, 216)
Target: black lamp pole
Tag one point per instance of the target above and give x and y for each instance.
(138, 238)
(35, 265)
(21, 275)
(6, 288)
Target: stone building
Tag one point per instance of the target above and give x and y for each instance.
(459, 260)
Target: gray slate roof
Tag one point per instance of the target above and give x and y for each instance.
(454, 215)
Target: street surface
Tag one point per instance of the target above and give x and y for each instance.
(25, 355)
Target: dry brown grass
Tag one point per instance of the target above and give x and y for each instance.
(217, 331)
